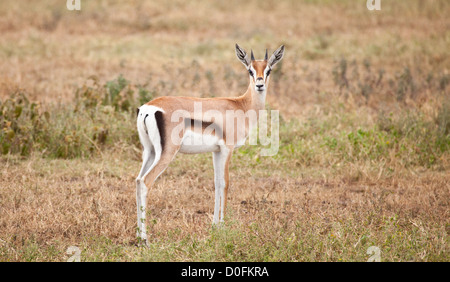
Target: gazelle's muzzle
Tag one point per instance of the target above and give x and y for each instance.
(259, 84)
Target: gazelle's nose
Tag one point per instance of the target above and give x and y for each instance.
(259, 83)
(260, 87)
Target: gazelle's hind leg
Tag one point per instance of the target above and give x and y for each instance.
(148, 158)
(221, 162)
(144, 181)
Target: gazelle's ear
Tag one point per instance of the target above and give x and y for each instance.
(276, 56)
(242, 56)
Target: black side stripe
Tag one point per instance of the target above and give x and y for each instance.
(188, 123)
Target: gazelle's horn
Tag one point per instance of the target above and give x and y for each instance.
(266, 57)
(252, 57)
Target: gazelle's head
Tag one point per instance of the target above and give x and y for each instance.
(259, 70)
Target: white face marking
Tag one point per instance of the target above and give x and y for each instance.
(266, 74)
(252, 72)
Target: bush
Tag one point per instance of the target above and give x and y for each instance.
(22, 124)
(100, 115)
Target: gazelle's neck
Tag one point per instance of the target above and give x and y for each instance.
(255, 100)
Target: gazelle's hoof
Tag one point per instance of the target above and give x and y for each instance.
(142, 242)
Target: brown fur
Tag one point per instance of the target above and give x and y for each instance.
(259, 67)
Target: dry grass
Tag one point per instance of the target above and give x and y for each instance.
(364, 156)
(48, 206)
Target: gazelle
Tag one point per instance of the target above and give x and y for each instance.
(168, 125)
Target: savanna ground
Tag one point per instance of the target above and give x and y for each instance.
(364, 133)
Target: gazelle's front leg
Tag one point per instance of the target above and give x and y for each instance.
(221, 161)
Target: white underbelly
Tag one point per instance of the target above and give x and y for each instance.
(194, 143)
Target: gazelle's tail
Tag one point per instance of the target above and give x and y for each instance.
(150, 137)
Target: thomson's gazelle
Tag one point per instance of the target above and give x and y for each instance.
(170, 124)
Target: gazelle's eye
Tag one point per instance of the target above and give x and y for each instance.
(268, 72)
(250, 72)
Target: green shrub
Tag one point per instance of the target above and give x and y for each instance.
(100, 116)
(22, 124)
